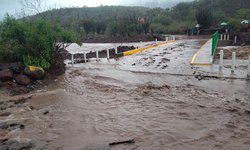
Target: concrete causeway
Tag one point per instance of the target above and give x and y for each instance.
(203, 55)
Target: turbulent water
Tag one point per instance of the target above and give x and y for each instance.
(98, 103)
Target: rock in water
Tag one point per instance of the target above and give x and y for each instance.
(22, 80)
(36, 73)
(6, 75)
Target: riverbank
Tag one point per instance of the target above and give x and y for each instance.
(119, 39)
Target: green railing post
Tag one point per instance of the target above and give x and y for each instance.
(214, 42)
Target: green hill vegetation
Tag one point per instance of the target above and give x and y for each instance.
(121, 20)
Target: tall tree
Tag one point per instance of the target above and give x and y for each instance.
(204, 17)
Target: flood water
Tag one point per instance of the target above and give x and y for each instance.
(100, 103)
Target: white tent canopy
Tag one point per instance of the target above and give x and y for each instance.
(224, 24)
(245, 22)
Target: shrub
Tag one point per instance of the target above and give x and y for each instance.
(157, 28)
(235, 23)
(12, 39)
(180, 27)
(33, 43)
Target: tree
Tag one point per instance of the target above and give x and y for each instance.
(163, 19)
(181, 11)
(32, 7)
(204, 17)
(113, 28)
(157, 28)
(235, 24)
(219, 16)
(243, 13)
(88, 25)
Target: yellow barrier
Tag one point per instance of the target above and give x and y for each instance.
(34, 68)
(146, 47)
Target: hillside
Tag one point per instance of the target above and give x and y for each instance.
(229, 7)
(100, 14)
(123, 20)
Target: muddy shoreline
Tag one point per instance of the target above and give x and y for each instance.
(242, 52)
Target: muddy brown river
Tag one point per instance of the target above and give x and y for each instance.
(97, 104)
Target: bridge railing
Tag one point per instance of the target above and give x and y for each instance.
(214, 42)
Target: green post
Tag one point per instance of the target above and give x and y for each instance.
(214, 42)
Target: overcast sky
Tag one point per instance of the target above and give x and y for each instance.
(14, 7)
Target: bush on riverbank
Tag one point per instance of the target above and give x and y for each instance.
(32, 43)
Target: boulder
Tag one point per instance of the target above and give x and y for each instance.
(22, 80)
(6, 75)
(15, 67)
(35, 73)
